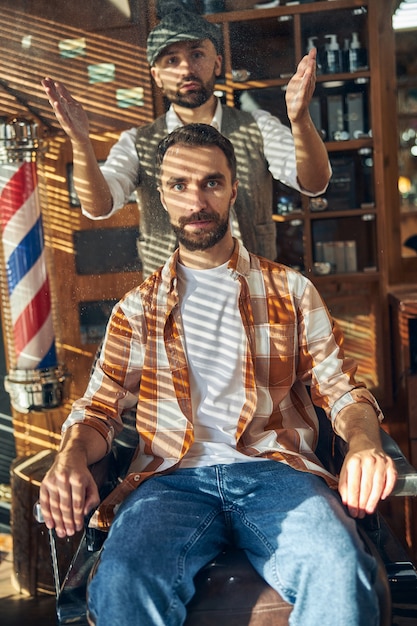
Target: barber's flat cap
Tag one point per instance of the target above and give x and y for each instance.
(179, 24)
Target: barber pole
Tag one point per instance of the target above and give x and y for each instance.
(35, 380)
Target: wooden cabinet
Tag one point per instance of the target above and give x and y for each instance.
(351, 225)
(406, 51)
(403, 318)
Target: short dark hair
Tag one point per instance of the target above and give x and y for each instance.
(196, 135)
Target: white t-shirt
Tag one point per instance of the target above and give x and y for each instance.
(215, 343)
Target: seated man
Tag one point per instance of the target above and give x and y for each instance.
(216, 349)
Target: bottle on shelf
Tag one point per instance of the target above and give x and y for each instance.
(357, 55)
(356, 108)
(338, 256)
(332, 55)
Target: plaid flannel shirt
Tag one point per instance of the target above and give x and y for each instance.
(292, 344)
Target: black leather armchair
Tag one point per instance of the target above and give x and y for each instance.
(228, 590)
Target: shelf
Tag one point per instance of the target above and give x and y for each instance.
(329, 214)
(256, 84)
(283, 80)
(246, 15)
(407, 116)
(349, 144)
(362, 277)
(324, 215)
(405, 82)
(343, 76)
(289, 217)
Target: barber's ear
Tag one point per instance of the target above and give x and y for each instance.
(155, 76)
(218, 65)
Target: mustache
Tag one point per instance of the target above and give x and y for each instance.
(202, 216)
(189, 79)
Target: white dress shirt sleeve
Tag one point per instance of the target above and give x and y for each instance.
(279, 150)
(120, 171)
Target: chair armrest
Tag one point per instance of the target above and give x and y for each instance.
(407, 475)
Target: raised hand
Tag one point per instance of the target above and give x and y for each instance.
(301, 87)
(69, 112)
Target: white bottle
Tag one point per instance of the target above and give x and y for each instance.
(357, 55)
(350, 256)
(333, 56)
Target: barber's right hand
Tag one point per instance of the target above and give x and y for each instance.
(68, 111)
(67, 494)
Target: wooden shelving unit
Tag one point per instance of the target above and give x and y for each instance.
(269, 43)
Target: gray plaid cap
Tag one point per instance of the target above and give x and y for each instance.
(180, 25)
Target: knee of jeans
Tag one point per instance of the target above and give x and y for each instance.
(333, 539)
(111, 585)
(123, 593)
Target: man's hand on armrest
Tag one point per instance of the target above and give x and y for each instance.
(68, 492)
(368, 474)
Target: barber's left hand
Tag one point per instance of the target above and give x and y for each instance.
(368, 475)
(301, 87)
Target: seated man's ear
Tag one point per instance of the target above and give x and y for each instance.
(161, 197)
(234, 195)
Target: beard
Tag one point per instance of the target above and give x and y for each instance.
(201, 239)
(193, 99)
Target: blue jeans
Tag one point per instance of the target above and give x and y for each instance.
(292, 527)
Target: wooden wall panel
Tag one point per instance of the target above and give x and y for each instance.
(31, 50)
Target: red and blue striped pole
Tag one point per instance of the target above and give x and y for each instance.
(33, 356)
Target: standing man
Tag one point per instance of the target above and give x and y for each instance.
(216, 349)
(183, 51)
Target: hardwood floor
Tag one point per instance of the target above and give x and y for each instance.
(17, 609)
